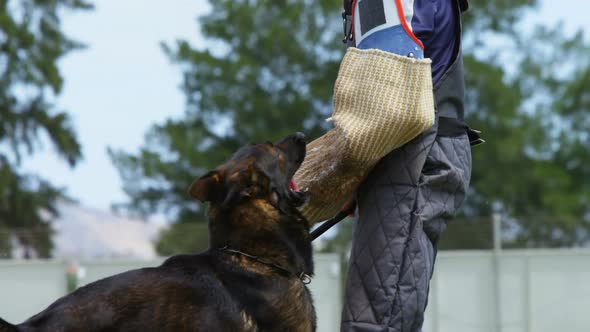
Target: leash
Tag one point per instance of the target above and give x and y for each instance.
(326, 225)
(304, 277)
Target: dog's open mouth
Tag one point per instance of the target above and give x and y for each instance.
(298, 198)
(293, 186)
(293, 148)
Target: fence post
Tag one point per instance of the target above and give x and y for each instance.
(497, 234)
(497, 231)
(527, 297)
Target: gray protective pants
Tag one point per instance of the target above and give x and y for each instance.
(404, 206)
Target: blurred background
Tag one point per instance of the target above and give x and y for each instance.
(109, 109)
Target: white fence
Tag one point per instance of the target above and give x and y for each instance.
(512, 291)
(29, 287)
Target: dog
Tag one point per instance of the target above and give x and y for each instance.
(252, 278)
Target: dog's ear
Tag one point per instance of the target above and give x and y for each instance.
(208, 187)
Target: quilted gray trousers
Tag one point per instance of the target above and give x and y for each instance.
(404, 206)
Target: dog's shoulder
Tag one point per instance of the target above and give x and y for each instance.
(198, 271)
(189, 262)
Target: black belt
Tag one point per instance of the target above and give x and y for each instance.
(452, 127)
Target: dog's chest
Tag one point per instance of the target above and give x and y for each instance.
(293, 311)
(286, 306)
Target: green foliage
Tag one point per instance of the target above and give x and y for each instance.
(183, 237)
(270, 73)
(31, 44)
(270, 70)
(532, 109)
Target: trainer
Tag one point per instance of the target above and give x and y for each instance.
(409, 198)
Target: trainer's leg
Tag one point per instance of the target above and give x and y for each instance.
(390, 262)
(406, 202)
(443, 185)
(402, 213)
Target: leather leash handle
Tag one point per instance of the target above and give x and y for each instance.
(326, 225)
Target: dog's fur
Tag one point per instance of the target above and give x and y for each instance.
(252, 210)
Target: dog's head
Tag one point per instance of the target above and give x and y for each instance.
(256, 172)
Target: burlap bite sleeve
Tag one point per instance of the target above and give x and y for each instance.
(381, 101)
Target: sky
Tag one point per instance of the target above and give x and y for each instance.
(122, 84)
(116, 88)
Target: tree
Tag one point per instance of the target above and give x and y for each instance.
(532, 110)
(271, 71)
(31, 44)
(271, 74)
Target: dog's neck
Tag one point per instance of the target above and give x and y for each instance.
(258, 229)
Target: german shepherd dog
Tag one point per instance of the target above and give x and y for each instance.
(252, 278)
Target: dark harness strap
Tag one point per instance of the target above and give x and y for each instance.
(347, 21)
